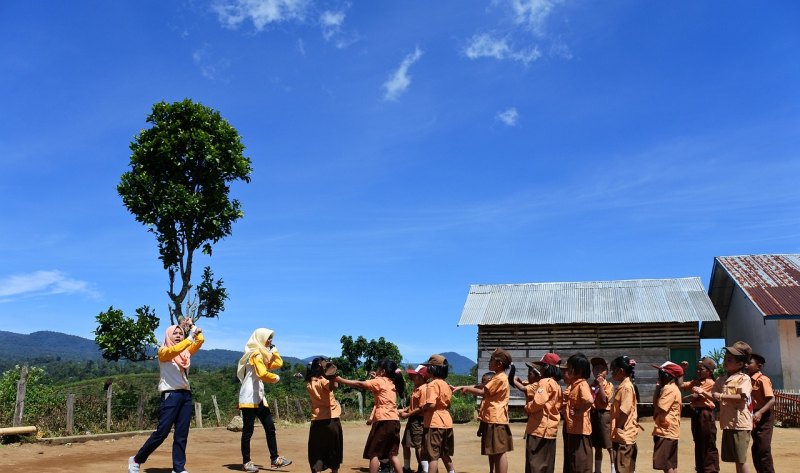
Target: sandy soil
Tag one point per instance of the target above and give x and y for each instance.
(217, 450)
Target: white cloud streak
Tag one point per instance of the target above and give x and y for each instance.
(533, 14)
(509, 116)
(43, 283)
(484, 45)
(232, 13)
(331, 22)
(400, 79)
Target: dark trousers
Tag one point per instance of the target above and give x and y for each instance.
(762, 445)
(175, 409)
(264, 415)
(704, 434)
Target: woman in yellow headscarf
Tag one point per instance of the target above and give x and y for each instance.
(260, 356)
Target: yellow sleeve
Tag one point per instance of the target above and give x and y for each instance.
(198, 342)
(276, 362)
(261, 370)
(168, 353)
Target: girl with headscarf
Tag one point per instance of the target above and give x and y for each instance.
(260, 356)
(174, 356)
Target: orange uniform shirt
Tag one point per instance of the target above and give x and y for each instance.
(438, 393)
(667, 416)
(385, 398)
(624, 414)
(494, 408)
(706, 385)
(323, 403)
(543, 403)
(762, 390)
(734, 414)
(608, 389)
(576, 412)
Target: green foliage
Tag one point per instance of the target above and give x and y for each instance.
(119, 337)
(178, 186)
(718, 355)
(360, 356)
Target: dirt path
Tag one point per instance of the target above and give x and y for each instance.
(217, 450)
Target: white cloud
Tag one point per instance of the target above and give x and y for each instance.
(509, 116)
(331, 22)
(210, 69)
(44, 283)
(485, 45)
(400, 80)
(232, 13)
(533, 14)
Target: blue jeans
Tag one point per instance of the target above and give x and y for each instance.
(176, 409)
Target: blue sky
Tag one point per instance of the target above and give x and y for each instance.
(401, 152)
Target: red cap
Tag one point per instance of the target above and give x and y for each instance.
(671, 369)
(551, 359)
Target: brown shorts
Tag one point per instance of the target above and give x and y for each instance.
(601, 429)
(383, 440)
(580, 458)
(540, 455)
(734, 446)
(437, 443)
(624, 457)
(496, 439)
(412, 436)
(665, 453)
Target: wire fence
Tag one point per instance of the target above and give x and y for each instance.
(787, 408)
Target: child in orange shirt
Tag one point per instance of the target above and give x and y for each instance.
(763, 400)
(704, 428)
(600, 414)
(667, 417)
(579, 400)
(496, 437)
(437, 438)
(384, 435)
(325, 441)
(624, 415)
(412, 436)
(542, 403)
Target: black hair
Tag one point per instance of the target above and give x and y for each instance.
(440, 371)
(313, 368)
(580, 366)
(624, 363)
(488, 375)
(390, 369)
(551, 371)
(665, 378)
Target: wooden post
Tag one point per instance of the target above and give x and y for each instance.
(216, 409)
(360, 403)
(198, 412)
(288, 410)
(277, 414)
(70, 414)
(301, 416)
(19, 406)
(140, 411)
(108, 406)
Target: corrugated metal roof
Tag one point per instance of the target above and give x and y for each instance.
(599, 302)
(772, 282)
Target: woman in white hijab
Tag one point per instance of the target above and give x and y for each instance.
(260, 356)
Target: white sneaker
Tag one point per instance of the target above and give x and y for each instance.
(133, 467)
(184, 471)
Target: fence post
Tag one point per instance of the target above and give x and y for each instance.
(198, 412)
(108, 406)
(140, 411)
(275, 405)
(288, 410)
(301, 416)
(70, 414)
(19, 406)
(216, 409)
(360, 403)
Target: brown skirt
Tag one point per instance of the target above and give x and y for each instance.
(625, 457)
(495, 439)
(412, 436)
(601, 429)
(437, 443)
(383, 440)
(665, 453)
(325, 444)
(540, 455)
(579, 458)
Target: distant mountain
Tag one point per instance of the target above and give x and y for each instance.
(56, 346)
(459, 364)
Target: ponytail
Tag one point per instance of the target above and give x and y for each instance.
(394, 373)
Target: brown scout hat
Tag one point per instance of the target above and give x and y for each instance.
(327, 368)
(502, 356)
(436, 360)
(740, 349)
(709, 363)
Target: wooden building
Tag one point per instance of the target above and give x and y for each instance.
(757, 298)
(649, 320)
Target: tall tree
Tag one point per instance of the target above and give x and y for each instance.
(360, 356)
(178, 187)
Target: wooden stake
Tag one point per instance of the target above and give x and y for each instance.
(19, 406)
(216, 409)
(70, 414)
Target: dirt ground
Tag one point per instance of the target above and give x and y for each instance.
(217, 450)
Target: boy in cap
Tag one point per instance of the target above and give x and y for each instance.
(733, 392)
(437, 434)
(763, 400)
(496, 437)
(602, 391)
(667, 417)
(412, 436)
(704, 429)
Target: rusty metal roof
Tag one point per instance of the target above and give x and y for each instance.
(598, 302)
(772, 282)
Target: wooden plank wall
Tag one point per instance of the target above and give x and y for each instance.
(646, 343)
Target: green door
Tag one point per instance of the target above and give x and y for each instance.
(677, 355)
